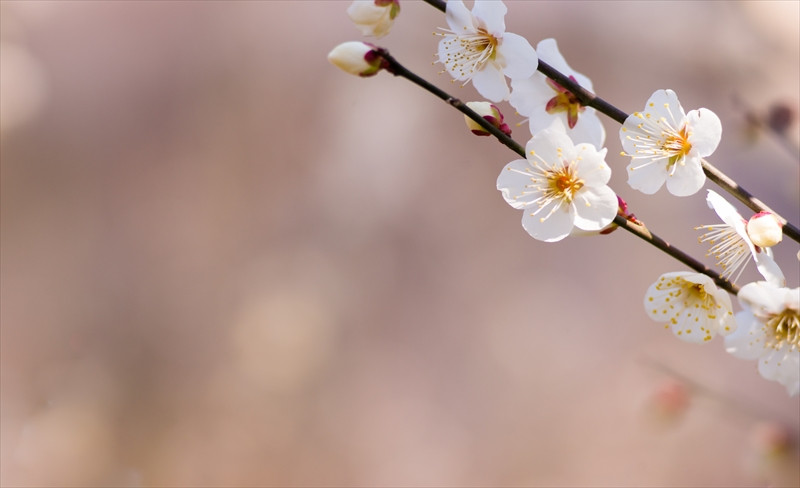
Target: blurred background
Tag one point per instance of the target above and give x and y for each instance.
(227, 263)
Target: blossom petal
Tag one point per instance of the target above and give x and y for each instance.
(706, 131)
(790, 374)
(492, 13)
(513, 182)
(763, 298)
(648, 178)
(591, 166)
(527, 94)
(687, 179)
(551, 144)
(589, 129)
(491, 83)
(595, 207)
(665, 103)
(747, 341)
(459, 18)
(726, 212)
(688, 328)
(519, 56)
(770, 365)
(547, 226)
(768, 268)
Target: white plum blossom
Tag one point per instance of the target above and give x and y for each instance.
(373, 17)
(476, 48)
(357, 58)
(732, 245)
(691, 305)
(769, 331)
(666, 144)
(541, 99)
(559, 186)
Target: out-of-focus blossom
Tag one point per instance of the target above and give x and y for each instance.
(669, 402)
(732, 245)
(23, 86)
(374, 17)
(559, 186)
(477, 48)
(769, 331)
(691, 305)
(357, 58)
(541, 99)
(667, 145)
(491, 114)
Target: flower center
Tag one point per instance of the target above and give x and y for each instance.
(564, 101)
(785, 329)
(562, 184)
(469, 53)
(678, 145)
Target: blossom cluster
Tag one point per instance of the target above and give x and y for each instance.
(562, 188)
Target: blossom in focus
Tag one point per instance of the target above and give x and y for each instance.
(374, 17)
(769, 331)
(491, 114)
(541, 99)
(357, 58)
(667, 145)
(732, 246)
(559, 186)
(476, 48)
(691, 305)
(764, 229)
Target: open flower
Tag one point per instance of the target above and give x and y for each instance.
(559, 185)
(476, 48)
(541, 99)
(769, 330)
(732, 245)
(665, 144)
(373, 17)
(691, 305)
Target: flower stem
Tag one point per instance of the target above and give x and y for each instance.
(394, 67)
(398, 69)
(589, 99)
(641, 232)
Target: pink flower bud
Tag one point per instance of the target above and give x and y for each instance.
(764, 229)
(357, 58)
(491, 114)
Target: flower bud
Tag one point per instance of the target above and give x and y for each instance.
(491, 114)
(764, 229)
(374, 17)
(357, 58)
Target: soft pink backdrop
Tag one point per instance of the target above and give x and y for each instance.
(227, 263)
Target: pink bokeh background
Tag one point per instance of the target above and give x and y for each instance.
(227, 263)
